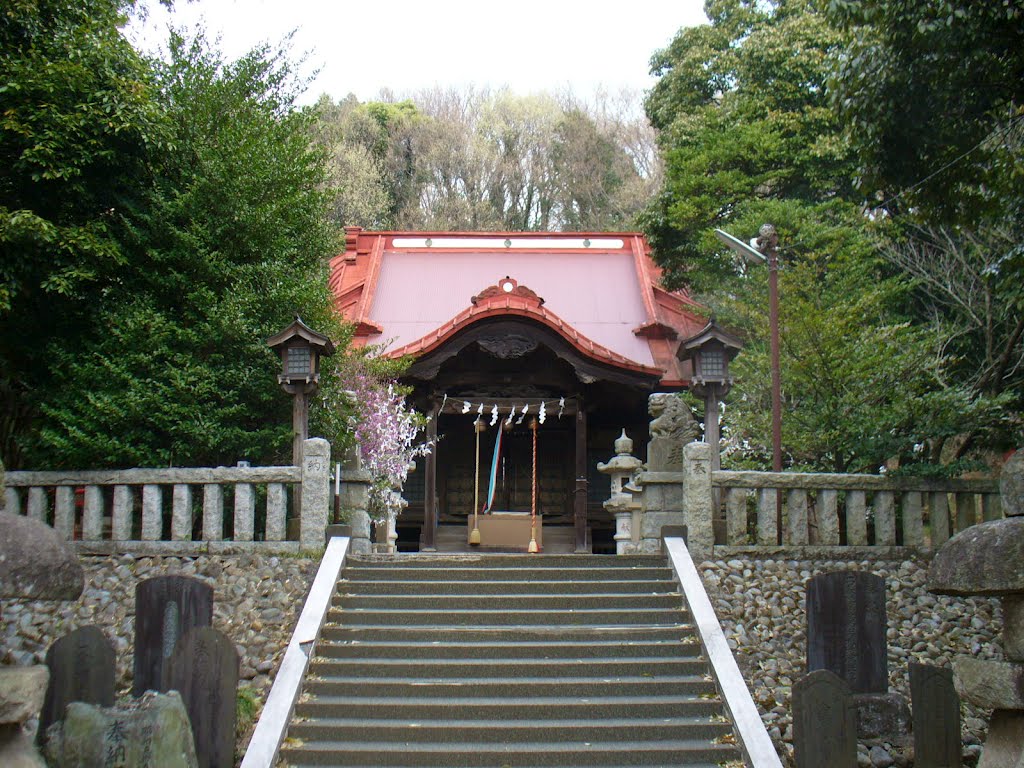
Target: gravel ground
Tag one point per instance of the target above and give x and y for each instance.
(760, 603)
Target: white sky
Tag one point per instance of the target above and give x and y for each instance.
(406, 45)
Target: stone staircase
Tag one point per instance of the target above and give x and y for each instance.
(508, 660)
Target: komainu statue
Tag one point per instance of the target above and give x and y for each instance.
(672, 426)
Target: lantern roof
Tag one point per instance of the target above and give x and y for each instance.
(299, 330)
(710, 332)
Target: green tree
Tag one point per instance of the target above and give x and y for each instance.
(231, 239)
(744, 120)
(78, 120)
(930, 91)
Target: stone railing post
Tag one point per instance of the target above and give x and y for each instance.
(698, 508)
(316, 488)
(355, 500)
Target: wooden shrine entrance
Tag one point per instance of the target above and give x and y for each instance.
(511, 364)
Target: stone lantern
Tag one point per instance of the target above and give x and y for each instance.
(711, 351)
(621, 469)
(300, 348)
(988, 559)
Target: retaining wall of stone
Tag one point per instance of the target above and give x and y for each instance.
(760, 601)
(257, 599)
(759, 597)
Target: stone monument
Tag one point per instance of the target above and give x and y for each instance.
(82, 667)
(846, 634)
(824, 722)
(152, 732)
(988, 559)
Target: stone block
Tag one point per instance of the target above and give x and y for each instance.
(882, 717)
(1004, 745)
(990, 684)
(936, 709)
(152, 733)
(35, 563)
(22, 690)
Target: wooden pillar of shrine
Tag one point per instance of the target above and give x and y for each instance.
(580, 491)
(430, 485)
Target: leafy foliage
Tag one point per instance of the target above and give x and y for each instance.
(78, 120)
(744, 121)
(929, 91)
(228, 241)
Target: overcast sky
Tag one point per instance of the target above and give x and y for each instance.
(406, 45)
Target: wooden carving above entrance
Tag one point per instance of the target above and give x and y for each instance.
(506, 287)
(509, 346)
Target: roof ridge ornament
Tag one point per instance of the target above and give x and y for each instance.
(507, 286)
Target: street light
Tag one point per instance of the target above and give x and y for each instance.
(711, 350)
(300, 348)
(764, 248)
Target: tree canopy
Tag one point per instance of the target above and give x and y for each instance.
(205, 187)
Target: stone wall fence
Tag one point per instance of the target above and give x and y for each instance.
(182, 511)
(727, 511)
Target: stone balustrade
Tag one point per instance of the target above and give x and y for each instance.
(855, 510)
(241, 505)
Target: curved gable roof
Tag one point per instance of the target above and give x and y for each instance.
(413, 290)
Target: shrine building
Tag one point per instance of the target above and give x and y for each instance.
(571, 329)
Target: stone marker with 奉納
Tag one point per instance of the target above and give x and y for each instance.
(165, 608)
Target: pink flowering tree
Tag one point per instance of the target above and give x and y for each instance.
(367, 408)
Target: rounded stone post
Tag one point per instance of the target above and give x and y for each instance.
(316, 489)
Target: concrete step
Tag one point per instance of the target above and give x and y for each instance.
(420, 730)
(507, 602)
(506, 618)
(483, 755)
(532, 587)
(441, 635)
(495, 687)
(445, 572)
(504, 708)
(513, 669)
(509, 649)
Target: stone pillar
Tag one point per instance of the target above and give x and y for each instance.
(152, 513)
(92, 513)
(121, 515)
(355, 501)
(181, 513)
(698, 507)
(213, 512)
(316, 493)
